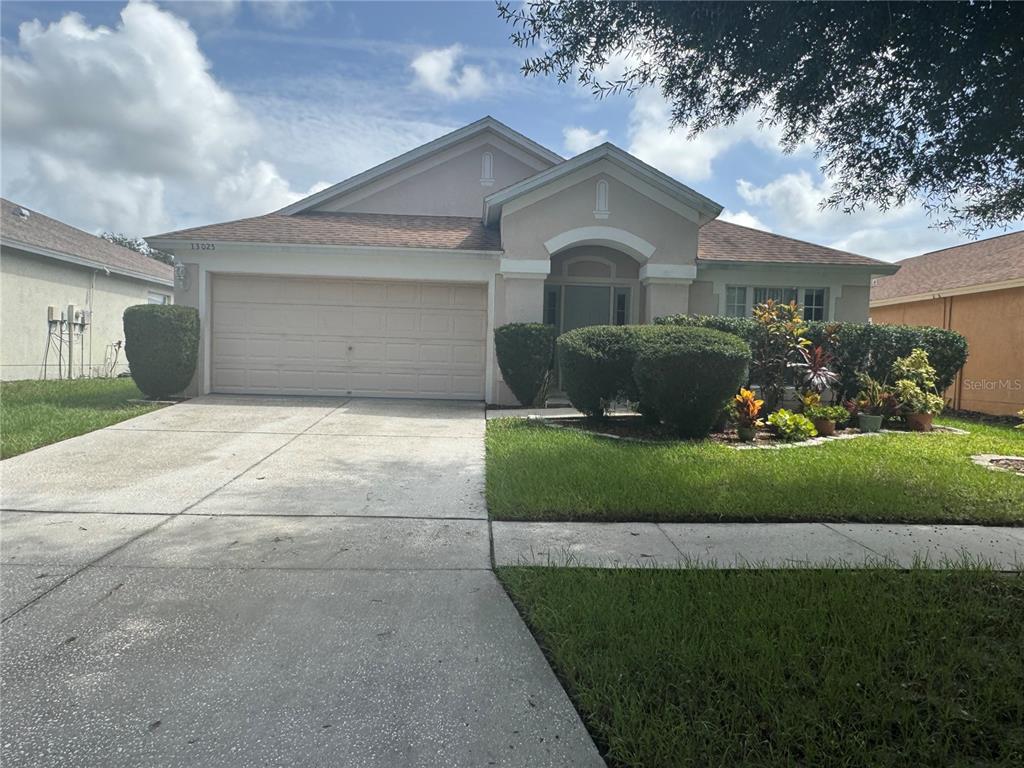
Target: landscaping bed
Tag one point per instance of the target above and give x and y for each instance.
(782, 668)
(37, 413)
(535, 472)
(629, 427)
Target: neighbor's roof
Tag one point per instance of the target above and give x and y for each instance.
(383, 230)
(48, 237)
(996, 261)
(727, 242)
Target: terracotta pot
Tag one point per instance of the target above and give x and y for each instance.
(869, 422)
(746, 434)
(825, 427)
(919, 422)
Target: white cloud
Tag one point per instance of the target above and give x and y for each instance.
(792, 203)
(578, 139)
(744, 218)
(654, 141)
(110, 128)
(437, 70)
(289, 14)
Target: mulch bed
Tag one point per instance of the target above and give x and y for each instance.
(634, 428)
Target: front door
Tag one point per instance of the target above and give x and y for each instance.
(586, 305)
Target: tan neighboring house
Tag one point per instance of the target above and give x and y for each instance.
(391, 283)
(977, 290)
(46, 264)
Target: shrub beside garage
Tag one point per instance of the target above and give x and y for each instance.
(525, 354)
(161, 343)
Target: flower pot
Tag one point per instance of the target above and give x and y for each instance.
(869, 422)
(746, 434)
(825, 427)
(919, 422)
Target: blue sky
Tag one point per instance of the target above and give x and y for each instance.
(152, 116)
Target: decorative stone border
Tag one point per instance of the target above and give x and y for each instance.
(550, 421)
(986, 459)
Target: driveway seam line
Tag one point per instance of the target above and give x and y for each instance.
(167, 519)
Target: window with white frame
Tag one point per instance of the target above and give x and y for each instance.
(740, 300)
(158, 298)
(814, 303)
(736, 301)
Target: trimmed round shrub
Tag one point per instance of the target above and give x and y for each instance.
(689, 374)
(162, 346)
(525, 354)
(596, 366)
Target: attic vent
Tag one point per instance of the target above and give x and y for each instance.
(601, 203)
(487, 170)
(22, 212)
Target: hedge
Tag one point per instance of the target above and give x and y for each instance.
(162, 346)
(689, 374)
(525, 354)
(596, 366)
(857, 347)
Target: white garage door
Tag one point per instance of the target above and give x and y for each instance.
(298, 336)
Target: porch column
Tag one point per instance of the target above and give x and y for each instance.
(667, 289)
(523, 282)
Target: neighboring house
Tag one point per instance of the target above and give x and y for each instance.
(47, 264)
(978, 290)
(391, 283)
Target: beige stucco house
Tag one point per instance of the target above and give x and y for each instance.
(391, 283)
(47, 266)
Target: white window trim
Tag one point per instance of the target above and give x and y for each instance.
(828, 308)
(164, 298)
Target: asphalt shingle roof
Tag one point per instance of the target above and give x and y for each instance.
(984, 262)
(40, 231)
(385, 230)
(723, 241)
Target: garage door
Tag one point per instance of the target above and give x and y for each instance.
(297, 336)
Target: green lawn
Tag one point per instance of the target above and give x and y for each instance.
(786, 668)
(539, 473)
(37, 413)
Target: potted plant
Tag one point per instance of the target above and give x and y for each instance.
(824, 417)
(919, 401)
(873, 403)
(745, 411)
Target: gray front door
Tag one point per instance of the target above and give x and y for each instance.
(586, 305)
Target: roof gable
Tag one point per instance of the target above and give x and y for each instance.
(528, 150)
(705, 208)
(44, 236)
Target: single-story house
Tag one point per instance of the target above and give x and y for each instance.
(47, 266)
(975, 289)
(390, 283)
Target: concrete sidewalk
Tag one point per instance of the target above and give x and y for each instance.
(745, 545)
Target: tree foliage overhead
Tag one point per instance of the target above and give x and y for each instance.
(138, 245)
(901, 100)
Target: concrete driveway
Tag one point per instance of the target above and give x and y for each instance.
(253, 581)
